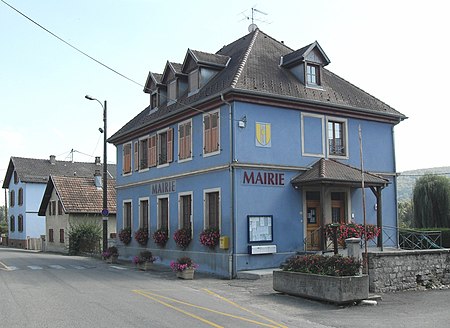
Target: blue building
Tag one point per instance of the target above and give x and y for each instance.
(260, 141)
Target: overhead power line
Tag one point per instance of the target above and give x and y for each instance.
(70, 45)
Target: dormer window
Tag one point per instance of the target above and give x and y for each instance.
(172, 92)
(193, 81)
(154, 100)
(312, 74)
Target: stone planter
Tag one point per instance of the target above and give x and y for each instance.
(187, 274)
(146, 266)
(333, 289)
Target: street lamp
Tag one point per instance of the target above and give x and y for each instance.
(105, 211)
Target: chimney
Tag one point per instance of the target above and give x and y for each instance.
(98, 179)
(52, 159)
(97, 160)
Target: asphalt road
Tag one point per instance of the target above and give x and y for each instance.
(49, 290)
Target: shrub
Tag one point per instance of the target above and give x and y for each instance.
(141, 236)
(182, 237)
(125, 235)
(85, 237)
(324, 265)
(160, 237)
(210, 237)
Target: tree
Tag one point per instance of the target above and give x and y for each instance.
(405, 213)
(3, 222)
(431, 199)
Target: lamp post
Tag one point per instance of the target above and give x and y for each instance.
(105, 211)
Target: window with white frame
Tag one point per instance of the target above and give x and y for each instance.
(143, 153)
(127, 214)
(312, 74)
(212, 208)
(185, 140)
(165, 147)
(211, 136)
(185, 211)
(126, 158)
(144, 213)
(337, 137)
(163, 212)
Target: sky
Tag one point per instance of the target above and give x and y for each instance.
(394, 50)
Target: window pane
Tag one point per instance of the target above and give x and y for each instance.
(185, 211)
(144, 214)
(163, 207)
(212, 210)
(162, 148)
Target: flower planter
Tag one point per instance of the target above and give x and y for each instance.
(333, 289)
(187, 274)
(112, 259)
(146, 266)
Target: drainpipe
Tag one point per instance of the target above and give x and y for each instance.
(231, 259)
(395, 183)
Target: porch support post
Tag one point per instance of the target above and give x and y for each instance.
(377, 193)
(323, 242)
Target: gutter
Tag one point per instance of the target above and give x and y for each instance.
(231, 255)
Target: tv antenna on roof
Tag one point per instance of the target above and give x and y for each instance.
(253, 26)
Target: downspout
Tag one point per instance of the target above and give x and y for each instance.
(395, 183)
(231, 256)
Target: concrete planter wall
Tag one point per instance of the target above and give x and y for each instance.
(326, 288)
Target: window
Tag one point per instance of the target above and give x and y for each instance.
(12, 223)
(154, 100)
(61, 236)
(184, 140)
(20, 223)
(163, 213)
(336, 138)
(143, 213)
(212, 209)
(20, 197)
(12, 198)
(172, 92)
(127, 214)
(143, 154)
(127, 158)
(211, 133)
(60, 208)
(136, 156)
(52, 207)
(50, 235)
(185, 211)
(165, 147)
(16, 178)
(193, 80)
(312, 74)
(152, 151)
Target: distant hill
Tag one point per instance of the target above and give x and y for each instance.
(407, 179)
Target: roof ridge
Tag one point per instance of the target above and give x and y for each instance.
(244, 60)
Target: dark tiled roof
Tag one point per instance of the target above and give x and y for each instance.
(207, 58)
(79, 195)
(254, 69)
(328, 171)
(38, 170)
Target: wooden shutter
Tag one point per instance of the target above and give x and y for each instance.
(215, 132)
(187, 140)
(207, 133)
(170, 145)
(181, 149)
(152, 151)
(127, 158)
(136, 156)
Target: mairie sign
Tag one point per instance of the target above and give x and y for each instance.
(263, 178)
(165, 187)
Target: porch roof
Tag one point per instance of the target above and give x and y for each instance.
(332, 172)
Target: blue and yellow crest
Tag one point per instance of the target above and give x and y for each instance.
(263, 135)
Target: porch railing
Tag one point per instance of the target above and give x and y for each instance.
(407, 239)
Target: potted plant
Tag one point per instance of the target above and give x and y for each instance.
(182, 237)
(111, 254)
(144, 261)
(141, 236)
(125, 235)
(184, 267)
(160, 237)
(330, 278)
(210, 237)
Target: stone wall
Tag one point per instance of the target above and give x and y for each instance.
(401, 270)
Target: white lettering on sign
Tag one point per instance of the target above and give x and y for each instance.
(165, 187)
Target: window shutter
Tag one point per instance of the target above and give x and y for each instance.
(207, 134)
(170, 145)
(215, 132)
(152, 151)
(136, 156)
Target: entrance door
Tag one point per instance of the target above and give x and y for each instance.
(338, 207)
(313, 221)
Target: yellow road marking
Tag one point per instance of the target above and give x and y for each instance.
(178, 309)
(244, 309)
(154, 296)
